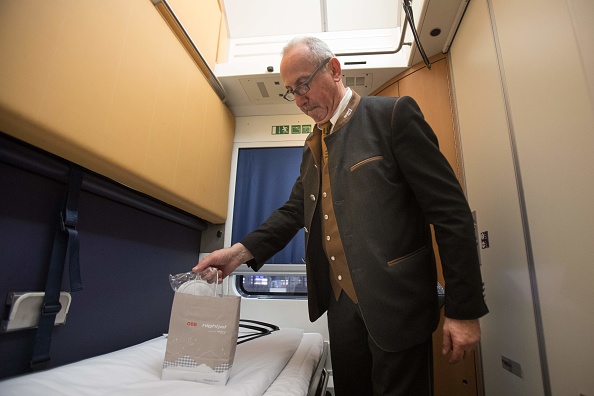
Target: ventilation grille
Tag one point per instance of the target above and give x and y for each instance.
(270, 90)
(264, 89)
(359, 82)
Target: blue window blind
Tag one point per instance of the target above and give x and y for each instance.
(265, 177)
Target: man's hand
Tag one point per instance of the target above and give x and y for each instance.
(224, 261)
(460, 337)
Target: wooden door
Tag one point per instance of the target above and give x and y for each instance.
(432, 91)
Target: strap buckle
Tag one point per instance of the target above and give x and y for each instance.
(50, 309)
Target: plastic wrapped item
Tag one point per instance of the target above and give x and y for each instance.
(192, 283)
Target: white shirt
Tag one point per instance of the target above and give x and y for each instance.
(341, 106)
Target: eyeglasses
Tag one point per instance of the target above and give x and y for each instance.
(302, 89)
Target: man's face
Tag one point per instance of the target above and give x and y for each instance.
(320, 101)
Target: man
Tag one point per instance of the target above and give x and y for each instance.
(370, 184)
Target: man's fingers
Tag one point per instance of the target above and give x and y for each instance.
(457, 355)
(209, 274)
(199, 268)
(460, 337)
(447, 342)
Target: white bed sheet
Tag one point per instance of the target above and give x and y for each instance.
(294, 379)
(137, 371)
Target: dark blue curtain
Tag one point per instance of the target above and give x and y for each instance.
(265, 177)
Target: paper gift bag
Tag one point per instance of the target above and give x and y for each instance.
(202, 337)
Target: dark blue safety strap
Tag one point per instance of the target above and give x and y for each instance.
(66, 239)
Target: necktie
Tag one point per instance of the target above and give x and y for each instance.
(325, 127)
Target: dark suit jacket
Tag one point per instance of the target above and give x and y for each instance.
(389, 182)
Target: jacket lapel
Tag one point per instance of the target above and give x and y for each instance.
(348, 112)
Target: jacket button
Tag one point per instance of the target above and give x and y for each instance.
(339, 277)
(312, 197)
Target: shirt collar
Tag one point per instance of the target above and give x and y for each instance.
(341, 107)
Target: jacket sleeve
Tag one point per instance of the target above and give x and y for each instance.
(444, 205)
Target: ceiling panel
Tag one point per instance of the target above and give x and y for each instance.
(255, 18)
(362, 15)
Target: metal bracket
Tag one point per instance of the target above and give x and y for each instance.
(27, 307)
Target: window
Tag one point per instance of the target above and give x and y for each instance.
(272, 285)
(265, 177)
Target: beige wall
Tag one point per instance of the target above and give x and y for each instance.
(108, 86)
(202, 20)
(526, 125)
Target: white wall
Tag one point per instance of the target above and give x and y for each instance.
(256, 132)
(521, 72)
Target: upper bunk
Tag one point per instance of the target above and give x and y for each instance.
(108, 87)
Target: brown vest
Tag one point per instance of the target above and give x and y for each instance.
(340, 276)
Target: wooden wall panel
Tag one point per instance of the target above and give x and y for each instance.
(108, 86)
(202, 20)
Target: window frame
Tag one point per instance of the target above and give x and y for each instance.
(267, 269)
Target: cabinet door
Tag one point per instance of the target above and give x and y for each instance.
(432, 91)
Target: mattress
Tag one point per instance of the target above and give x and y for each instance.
(279, 364)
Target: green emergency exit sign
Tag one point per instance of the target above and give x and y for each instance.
(281, 129)
(290, 129)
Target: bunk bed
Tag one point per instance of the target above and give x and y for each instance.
(283, 363)
(112, 342)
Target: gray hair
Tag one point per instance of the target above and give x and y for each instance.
(318, 49)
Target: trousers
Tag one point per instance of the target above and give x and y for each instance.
(361, 368)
